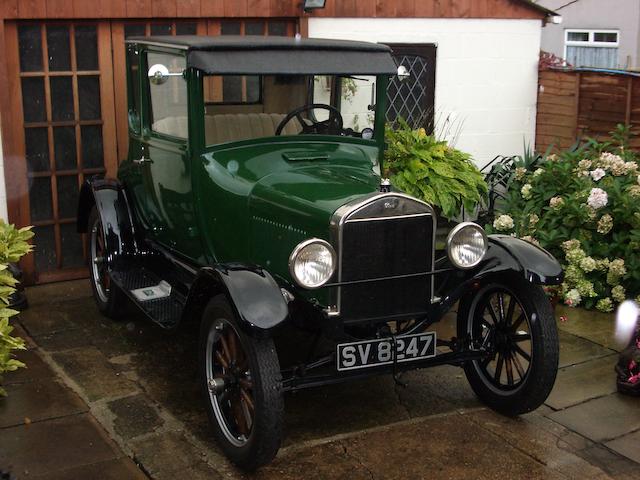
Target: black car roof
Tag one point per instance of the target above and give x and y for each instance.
(248, 42)
(235, 54)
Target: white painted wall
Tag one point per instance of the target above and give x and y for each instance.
(3, 188)
(486, 73)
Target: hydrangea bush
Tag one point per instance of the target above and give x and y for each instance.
(583, 206)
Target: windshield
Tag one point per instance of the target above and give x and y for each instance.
(245, 107)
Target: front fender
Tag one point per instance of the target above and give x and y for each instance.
(110, 199)
(252, 292)
(506, 255)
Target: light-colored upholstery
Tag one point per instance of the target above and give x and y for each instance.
(230, 127)
(174, 126)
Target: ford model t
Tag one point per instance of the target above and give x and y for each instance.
(251, 203)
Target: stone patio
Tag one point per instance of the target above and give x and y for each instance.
(139, 385)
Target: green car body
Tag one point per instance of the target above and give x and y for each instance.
(229, 215)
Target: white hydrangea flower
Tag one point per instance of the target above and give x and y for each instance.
(520, 173)
(584, 164)
(526, 191)
(618, 293)
(588, 264)
(572, 298)
(598, 173)
(556, 202)
(503, 223)
(538, 172)
(598, 198)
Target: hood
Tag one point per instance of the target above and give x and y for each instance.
(306, 197)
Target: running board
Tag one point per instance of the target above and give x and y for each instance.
(153, 295)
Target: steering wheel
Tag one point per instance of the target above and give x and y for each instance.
(330, 126)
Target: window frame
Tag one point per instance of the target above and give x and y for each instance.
(244, 82)
(591, 42)
(147, 105)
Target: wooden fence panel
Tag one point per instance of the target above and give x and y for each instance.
(573, 105)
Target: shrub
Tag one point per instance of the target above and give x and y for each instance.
(583, 206)
(13, 245)
(431, 170)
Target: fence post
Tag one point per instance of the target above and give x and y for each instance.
(578, 82)
(627, 114)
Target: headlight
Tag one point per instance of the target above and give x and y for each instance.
(312, 263)
(467, 245)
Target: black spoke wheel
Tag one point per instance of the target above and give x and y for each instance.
(241, 382)
(513, 322)
(109, 299)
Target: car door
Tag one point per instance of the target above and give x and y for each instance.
(165, 160)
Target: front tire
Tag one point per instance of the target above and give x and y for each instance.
(513, 320)
(109, 298)
(242, 387)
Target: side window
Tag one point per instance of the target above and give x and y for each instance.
(133, 81)
(168, 108)
(353, 96)
(233, 89)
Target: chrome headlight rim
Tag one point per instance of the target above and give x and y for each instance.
(301, 246)
(454, 231)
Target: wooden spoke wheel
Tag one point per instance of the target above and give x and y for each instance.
(241, 381)
(229, 383)
(513, 322)
(109, 299)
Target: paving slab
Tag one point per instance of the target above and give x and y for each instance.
(627, 445)
(169, 455)
(578, 383)
(56, 444)
(452, 447)
(544, 440)
(591, 325)
(601, 419)
(33, 402)
(93, 372)
(60, 292)
(134, 416)
(35, 369)
(118, 469)
(615, 465)
(575, 350)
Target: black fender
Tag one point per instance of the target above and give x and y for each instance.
(110, 199)
(252, 292)
(505, 256)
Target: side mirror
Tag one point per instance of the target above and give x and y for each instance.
(159, 74)
(403, 73)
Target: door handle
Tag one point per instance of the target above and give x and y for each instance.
(142, 160)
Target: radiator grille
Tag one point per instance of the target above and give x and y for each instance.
(384, 247)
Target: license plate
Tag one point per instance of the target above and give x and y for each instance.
(373, 353)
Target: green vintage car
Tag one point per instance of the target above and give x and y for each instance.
(251, 204)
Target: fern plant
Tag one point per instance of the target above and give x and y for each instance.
(13, 245)
(431, 170)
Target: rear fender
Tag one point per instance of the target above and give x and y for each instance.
(252, 292)
(110, 199)
(505, 256)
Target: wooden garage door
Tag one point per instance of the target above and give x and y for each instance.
(67, 84)
(60, 76)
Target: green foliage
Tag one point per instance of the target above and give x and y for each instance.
(13, 245)
(582, 205)
(431, 170)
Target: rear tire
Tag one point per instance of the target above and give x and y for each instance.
(110, 300)
(514, 320)
(246, 411)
